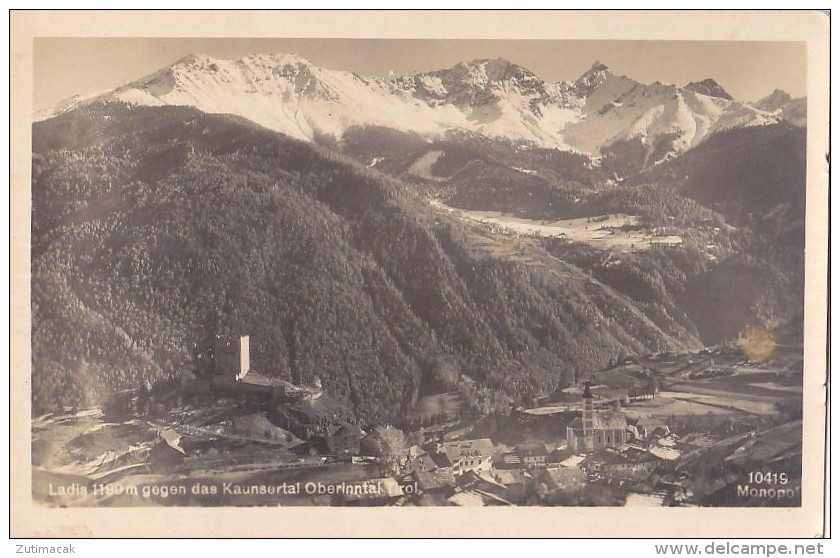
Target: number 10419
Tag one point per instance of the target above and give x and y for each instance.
(758, 477)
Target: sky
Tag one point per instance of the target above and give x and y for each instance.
(748, 70)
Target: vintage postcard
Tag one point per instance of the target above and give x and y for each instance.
(279, 274)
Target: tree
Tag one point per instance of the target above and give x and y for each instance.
(388, 445)
(417, 437)
(652, 387)
(635, 390)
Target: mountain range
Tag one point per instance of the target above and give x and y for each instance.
(494, 98)
(384, 236)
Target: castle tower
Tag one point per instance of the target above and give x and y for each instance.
(232, 357)
(588, 418)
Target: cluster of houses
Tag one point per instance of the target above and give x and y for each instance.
(603, 446)
(650, 464)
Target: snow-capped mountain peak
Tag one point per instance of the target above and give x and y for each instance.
(710, 88)
(479, 80)
(780, 103)
(597, 70)
(592, 79)
(774, 101)
(491, 97)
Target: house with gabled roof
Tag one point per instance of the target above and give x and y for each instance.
(563, 478)
(345, 440)
(441, 483)
(531, 454)
(469, 455)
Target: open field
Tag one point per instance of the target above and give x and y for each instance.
(606, 232)
(712, 404)
(445, 403)
(779, 387)
(423, 166)
(82, 443)
(746, 391)
(747, 381)
(553, 409)
(75, 453)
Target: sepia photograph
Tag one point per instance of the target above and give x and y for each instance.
(304, 271)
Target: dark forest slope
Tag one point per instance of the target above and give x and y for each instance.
(756, 178)
(155, 228)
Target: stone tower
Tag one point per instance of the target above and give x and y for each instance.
(232, 358)
(588, 418)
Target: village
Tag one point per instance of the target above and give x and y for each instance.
(232, 436)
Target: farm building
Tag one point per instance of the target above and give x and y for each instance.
(345, 440)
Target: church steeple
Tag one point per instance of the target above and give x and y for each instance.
(588, 411)
(596, 430)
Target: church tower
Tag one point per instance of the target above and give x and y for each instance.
(588, 418)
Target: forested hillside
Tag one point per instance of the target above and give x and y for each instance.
(155, 228)
(756, 178)
(748, 174)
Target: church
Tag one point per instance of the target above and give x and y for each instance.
(595, 430)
